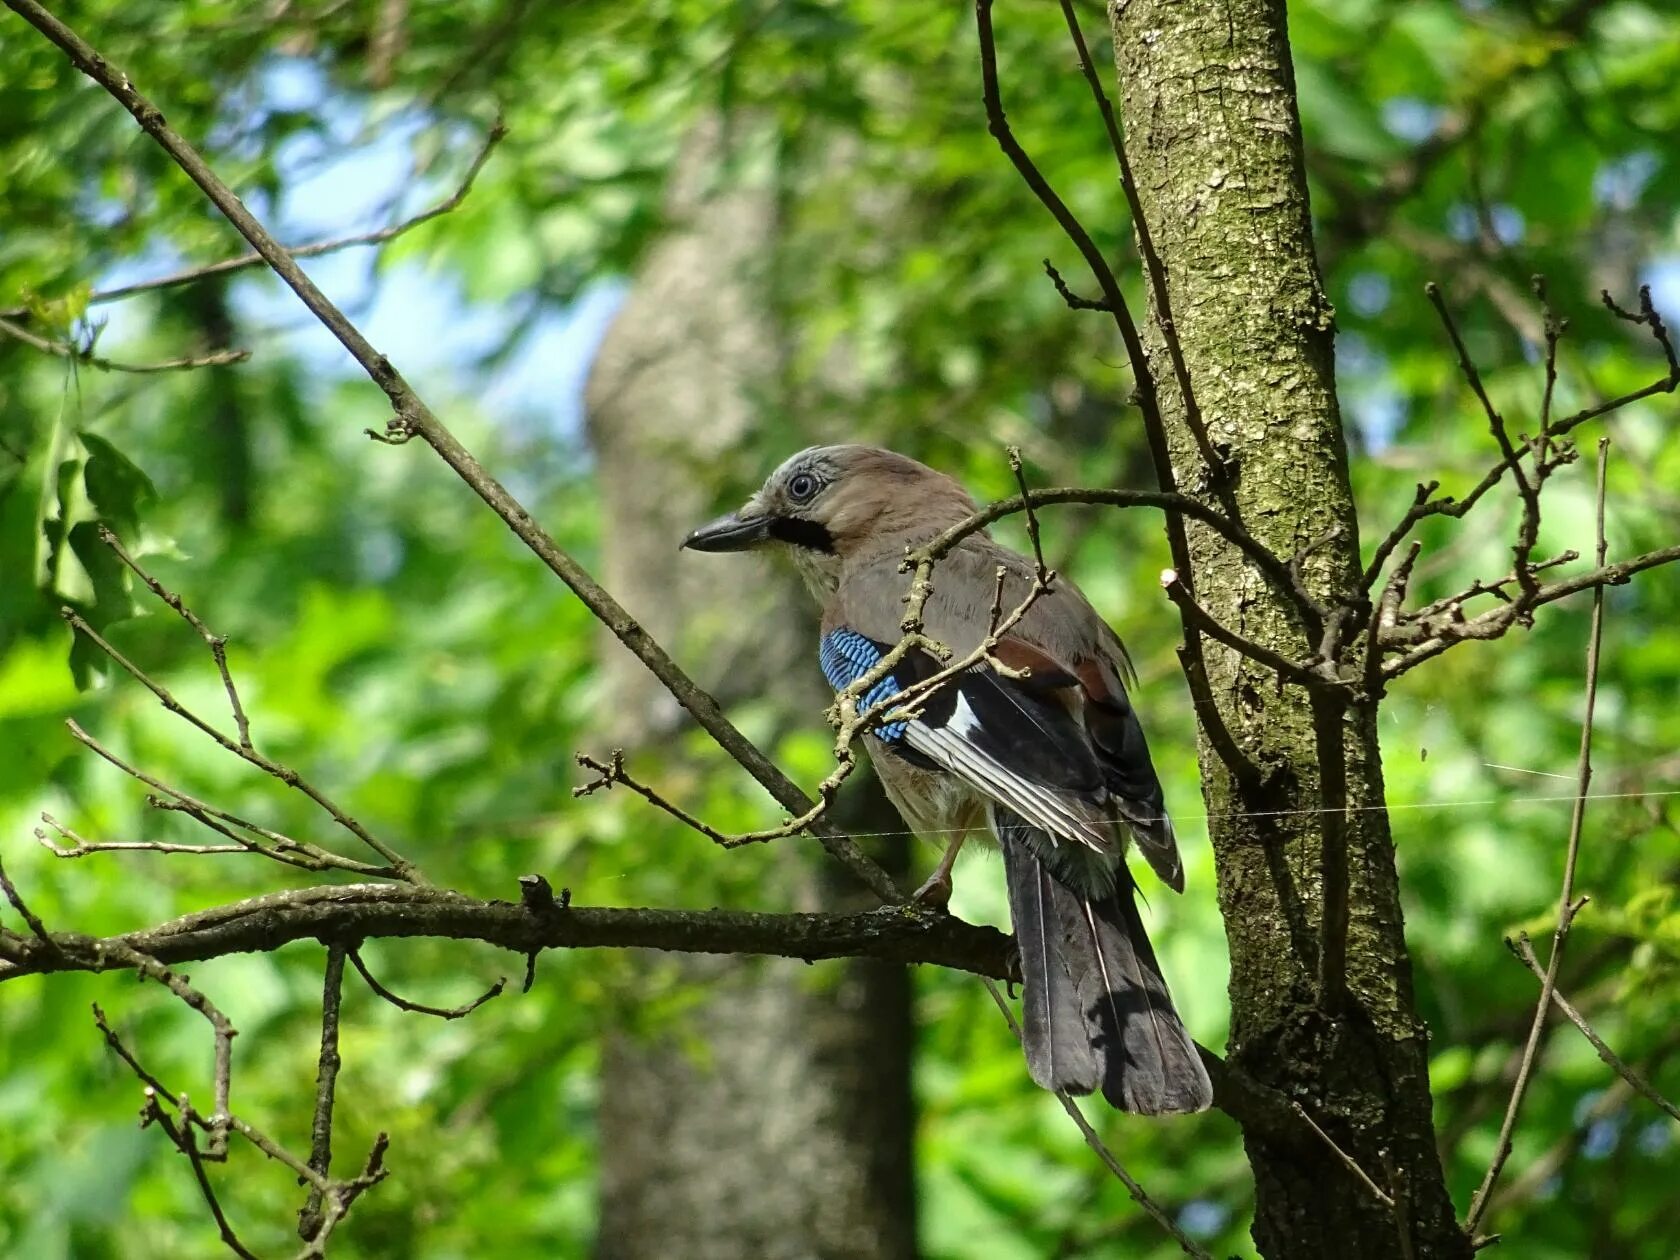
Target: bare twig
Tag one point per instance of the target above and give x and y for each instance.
(122, 1052)
(420, 1008)
(1452, 605)
(217, 643)
(1496, 621)
(22, 907)
(1133, 1187)
(79, 354)
(1568, 904)
(281, 847)
(1172, 503)
(1241, 767)
(1194, 614)
(400, 866)
(1528, 489)
(1074, 301)
(117, 952)
(315, 249)
(337, 1196)
(1647, 315)
(184, 1138)
(310, 1217)
(1352, 1165)
(1385, 612)
(1218, 473)
(1544, 446)
(411, 415)
(372, 911)
(1523, 948)
(80, 847)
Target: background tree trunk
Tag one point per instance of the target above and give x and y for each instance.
(1213, 132)
(772, 1119)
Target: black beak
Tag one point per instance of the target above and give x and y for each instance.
(730, 533)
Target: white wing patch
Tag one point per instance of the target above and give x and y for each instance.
(1043, 807)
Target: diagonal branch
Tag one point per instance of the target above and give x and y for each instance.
(1523, 948)
(280, 847)
(1568, 904)
(315, 249)
(81, 354)
(412, 418)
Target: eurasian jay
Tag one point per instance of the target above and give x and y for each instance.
(1053, 762)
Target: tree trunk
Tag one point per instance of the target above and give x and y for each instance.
(1214, 138)
(773, 1118)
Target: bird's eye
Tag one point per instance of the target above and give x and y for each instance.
(802, 487)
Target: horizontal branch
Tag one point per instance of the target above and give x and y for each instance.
(1233, 532)
(356, 912)
(1496, 621)
(82, 354)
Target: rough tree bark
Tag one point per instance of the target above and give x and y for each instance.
(787, 1136)
(1214, 137)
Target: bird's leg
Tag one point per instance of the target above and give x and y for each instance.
(936, 889)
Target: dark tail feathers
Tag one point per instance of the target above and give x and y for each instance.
(1097, 1011)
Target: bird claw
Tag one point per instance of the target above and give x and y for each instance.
(935, 892)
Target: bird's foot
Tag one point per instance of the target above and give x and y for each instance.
(935, 892)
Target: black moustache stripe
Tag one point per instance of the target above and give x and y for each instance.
(799, 532)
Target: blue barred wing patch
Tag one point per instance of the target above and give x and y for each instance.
(846, 656)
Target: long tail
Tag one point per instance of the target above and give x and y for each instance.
(1097, 1011)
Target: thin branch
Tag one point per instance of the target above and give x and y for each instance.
(1171, 502)
(379, 236)
(310, 1219)
(78, 354)
(1241, 767)
(1568, 905)
(400, 866)
(122, 1052)
(1133, 1187)
(337, 1196)
(1452, 605)
(22, 907)
(1218, 472)
(184, 1138)
(217, 643)
(1073, 300)
(119, 952)
(1647, 315)
(284, 848)
(80, 847)
(1523, 948)
(372, 911)
(1352, 1165)
(1194, 614)
(410, 415)
(1527, 489)
(1385, 612)
(420, 1008)
(1425, 505)
(1496, 621)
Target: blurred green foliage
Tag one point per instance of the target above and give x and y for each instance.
(397, 646)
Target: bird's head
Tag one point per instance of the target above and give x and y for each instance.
(828, 502)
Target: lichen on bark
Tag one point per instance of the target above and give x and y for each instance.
(1207, 96)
